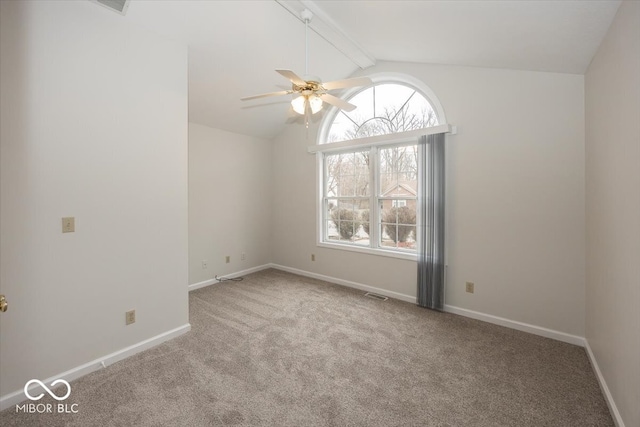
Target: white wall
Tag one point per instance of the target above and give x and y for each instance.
(93, 125)
(515, 197)
(229, 202)
(612, 90)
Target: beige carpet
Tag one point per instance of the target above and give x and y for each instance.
(283, 350)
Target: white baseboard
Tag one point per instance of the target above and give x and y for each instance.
(514, 324)
(229, 276)
(16, 397)
(615, 414)
(347, 283)
(536, 330)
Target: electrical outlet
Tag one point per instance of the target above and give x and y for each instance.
(130, 317)
(313, 257)
(204, 264)
(68, 224)
(227, 259)
(470, 287)
(243, 256)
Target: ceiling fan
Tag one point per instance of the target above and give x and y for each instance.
(310, 90)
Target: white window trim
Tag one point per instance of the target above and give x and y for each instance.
(374, 235)
(412, 256)
(400, 138)
(379, 140)
(320, 220)
(392, 139)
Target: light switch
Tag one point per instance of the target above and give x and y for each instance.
(68, 224)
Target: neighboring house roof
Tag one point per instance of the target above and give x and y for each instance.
(406, 187)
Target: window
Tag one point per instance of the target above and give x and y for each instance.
(369, 192)
(352, 190)
(383, 109)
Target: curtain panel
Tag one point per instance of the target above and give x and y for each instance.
(430, 224)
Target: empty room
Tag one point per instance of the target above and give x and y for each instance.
(319, 213)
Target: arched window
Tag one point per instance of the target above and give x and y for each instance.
(369, 185)
(382, 109)
(394, 103)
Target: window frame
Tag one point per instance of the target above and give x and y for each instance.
(388, 140)
(375, 198)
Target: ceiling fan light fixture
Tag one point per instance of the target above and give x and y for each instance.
(309, 91)
(315, 102)
(298, 104)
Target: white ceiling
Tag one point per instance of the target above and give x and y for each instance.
(235, 46)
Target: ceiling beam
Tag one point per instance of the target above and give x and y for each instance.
(323, 25)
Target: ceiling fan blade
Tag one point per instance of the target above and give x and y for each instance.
(293, 77)
(340, 103)
(284, 92)
(339, 84)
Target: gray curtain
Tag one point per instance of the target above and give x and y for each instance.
(430, 224)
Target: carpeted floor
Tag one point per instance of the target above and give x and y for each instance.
(282, 350)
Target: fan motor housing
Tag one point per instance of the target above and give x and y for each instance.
(313, 84)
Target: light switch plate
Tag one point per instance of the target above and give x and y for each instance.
(68, 224)
(130, 317)
(470, 287)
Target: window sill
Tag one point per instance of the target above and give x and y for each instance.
(409, 256)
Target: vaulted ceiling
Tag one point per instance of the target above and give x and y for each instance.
(235, 46)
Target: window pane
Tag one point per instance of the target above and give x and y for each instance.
(345, 221)
(346, 178)
(332, 231)
(397, 223)
(364, 238)
(418, 107)
(385, 240)
(410, 243)
(399, 171)
(332, 174)
(362, 234)
(364, 109)
(390, 98)
(347, 174)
